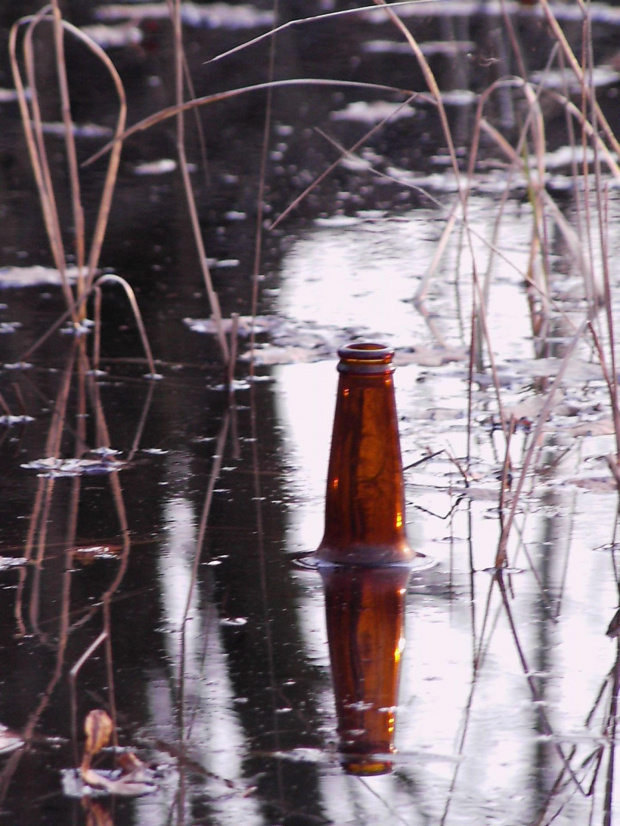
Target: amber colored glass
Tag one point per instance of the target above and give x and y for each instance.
(365, 503)
(365, 610)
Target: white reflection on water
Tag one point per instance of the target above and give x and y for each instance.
(212, 734)
(360, 275)
(471, 744)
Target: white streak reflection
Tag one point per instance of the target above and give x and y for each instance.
(212, 736)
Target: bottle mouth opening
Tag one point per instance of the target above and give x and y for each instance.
(366, 351)
(365, 357)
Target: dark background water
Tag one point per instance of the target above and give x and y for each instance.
(222, 702)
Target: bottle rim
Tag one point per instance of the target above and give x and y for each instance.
(366, 351)
(365, 357)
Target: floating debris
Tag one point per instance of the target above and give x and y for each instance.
(53, 468)
(18, 365)
(160, 167)
(234, 622)
(223, 263)
(9, 741)
(11, 421)
(82, 328)
(93, 552)
(6, 563)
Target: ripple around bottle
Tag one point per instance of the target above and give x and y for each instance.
(309, 561)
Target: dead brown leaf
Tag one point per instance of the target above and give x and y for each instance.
(98, 727)
(132, 778)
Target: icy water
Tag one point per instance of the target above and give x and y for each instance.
(154, 531)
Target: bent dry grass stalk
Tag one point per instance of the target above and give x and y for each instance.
(179, 63)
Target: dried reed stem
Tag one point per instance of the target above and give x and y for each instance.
(214, 301)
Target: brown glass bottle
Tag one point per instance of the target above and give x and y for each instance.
(365, 503)
(365, 628)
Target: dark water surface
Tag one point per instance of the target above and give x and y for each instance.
(160, 582)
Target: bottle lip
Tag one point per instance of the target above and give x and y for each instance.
(365, 357)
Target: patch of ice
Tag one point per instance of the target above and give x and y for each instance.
(79, 130)
(355, 164)
(386, 47)
(7, 562)
(598, 12)
(7, 95)
(567, 155)
(288, 354)
(429, 48)
(261, 323)
(600, 76)
(338, 221)
(304, 755)
(18, 365)
(103, 783)
(459, 97)
(12, 277)
(96, 552)
(446, 47)
(213, 16)
(225, 263)
(77, 329)
(113, 36)
(105, 452)
(9, 741)
(10, 421)
(234, 622)
(436, 181)
(160, 167)
(53, 468)
(375, 112)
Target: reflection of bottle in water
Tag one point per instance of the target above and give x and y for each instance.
(365, 618)
(365, 503)
(364, 557)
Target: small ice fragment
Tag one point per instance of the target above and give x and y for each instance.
(160, 167)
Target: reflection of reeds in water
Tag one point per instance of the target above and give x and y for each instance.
(48, 579)
(45, 604)
(588, 249)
